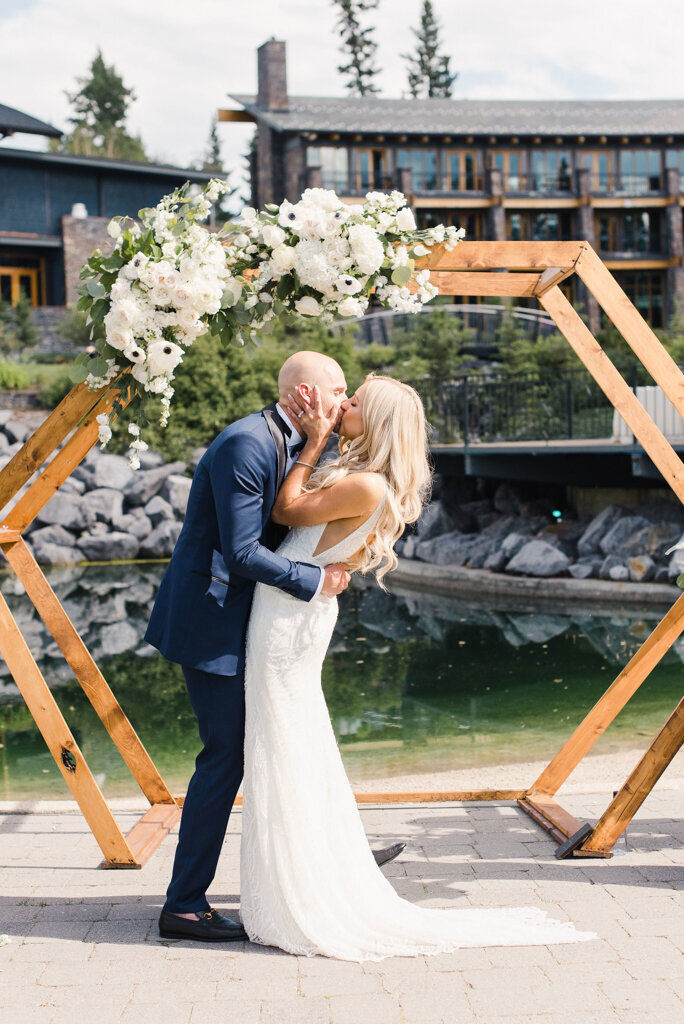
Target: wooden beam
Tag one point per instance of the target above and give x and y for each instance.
(87, 673)
(550, 278)
(611, 703)
(454, 796)
(483, 283)
(45, 439)
(60, 741)
(632, 326)
(236, 115)
(503, 255)
(615, 388)
(62, 466)
(551, 816)
(148, 833)
(641, 781)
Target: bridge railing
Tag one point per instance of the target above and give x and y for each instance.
(506, 407)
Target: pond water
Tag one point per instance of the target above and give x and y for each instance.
(415, 682)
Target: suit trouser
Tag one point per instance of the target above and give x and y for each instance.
(219, 706)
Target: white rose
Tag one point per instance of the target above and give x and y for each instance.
(139, 372)
(366, 247)
(308, 306)
(350, 307)
(119, 337)
(348, 285)
(283, 257)
(273, 235)
(162, 357)
(232, 290)
(184, 293)
(125, 313)
(241, 240)
(158, 385)
(405, 220)
(161, 295)
(188, 319)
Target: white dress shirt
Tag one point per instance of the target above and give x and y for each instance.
(295, 438)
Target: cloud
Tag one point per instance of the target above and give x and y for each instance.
(183, 59)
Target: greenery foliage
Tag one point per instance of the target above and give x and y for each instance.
(359, 46)
(99, 123)
(429, 74)
(18, 330)
(12, 376)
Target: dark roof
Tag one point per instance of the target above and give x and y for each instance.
(95, 162)
(12, 121)
(473, 117)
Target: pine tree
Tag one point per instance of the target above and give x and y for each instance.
(100, 108)
(429, 74)
(358, 43)
(213, 160)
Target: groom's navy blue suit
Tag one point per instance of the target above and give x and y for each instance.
(200, 619)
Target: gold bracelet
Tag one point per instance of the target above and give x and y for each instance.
(307, 464)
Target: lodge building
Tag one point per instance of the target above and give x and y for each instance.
(55, 207)
(610, 172)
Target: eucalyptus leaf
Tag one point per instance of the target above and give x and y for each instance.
(98, 366)
(84, 303)
(401, 276)
(95, 288)
(680, 580)
(78, 373)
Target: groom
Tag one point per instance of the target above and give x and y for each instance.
(200, 617)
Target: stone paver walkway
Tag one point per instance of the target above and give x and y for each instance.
(84, 945)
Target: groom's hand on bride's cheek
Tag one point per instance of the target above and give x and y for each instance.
(337, 578)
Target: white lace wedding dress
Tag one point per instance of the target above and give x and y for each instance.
(309, 882)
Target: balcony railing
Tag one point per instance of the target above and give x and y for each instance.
(627, 184)
(516, 407)
(537, 183)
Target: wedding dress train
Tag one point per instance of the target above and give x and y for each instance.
(309, 881)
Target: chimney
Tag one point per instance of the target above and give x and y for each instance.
(272, 75)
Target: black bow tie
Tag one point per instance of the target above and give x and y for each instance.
(296, 449)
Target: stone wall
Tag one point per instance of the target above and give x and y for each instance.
(81, 235)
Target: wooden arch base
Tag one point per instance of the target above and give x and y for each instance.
(76, 413)
(533, 269)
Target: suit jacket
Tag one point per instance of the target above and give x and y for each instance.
(226, 546)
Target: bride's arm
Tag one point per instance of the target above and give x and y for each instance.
(353, 495)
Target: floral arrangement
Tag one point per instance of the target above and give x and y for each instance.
(170, 279)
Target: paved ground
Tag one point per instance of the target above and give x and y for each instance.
(84, 946)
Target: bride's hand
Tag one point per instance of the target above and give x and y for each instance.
(312, 420)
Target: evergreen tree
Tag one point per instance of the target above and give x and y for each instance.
(358, 43)
(100, 108)
(429, 74)
(213, 160)
(23, 325)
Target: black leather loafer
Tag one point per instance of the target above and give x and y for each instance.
(211, 927)
(388, 853)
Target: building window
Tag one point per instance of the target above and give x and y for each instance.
(333, 162)
(646, 289)
(21, 275)
(629, 232)
(600, 167)
(639, 171)
(511, 166)
(551, 171)
(423, 164)
(538, 227)
(463, 170)
(674, 160)
(372, 169)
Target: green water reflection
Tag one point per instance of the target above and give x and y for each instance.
(414, 682)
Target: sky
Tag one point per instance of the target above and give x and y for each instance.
(183, 57)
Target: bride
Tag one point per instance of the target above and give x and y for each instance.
(309, 881)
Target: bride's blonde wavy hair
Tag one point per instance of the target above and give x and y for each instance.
(394, 443)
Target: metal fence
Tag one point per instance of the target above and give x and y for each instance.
(516, 407)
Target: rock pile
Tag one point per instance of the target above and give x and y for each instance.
(105, 511)
(617, 544)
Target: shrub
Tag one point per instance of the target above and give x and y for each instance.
(13, 376)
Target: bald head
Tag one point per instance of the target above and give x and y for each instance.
(310, 368)
(305, 370)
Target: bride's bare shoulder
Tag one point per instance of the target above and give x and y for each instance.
(368, 485)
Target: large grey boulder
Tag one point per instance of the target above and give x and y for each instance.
(47, 553)
(108, 547)
(448, 549)
(590, 540)
(611, 562)
(434, 522)
(158, 510)
(110, 471)
(482, 547)
(537, 558)
(496, 561)
(4, 443)
(616, 539)
(512, 544)
(618, 573)
(105, 502)
(146, 483)
(641, 568)
(67, 510)
(581, 570)
(161, 542)
(54, 534)
(16, 430)
(150, 460)
(654, 540)
(116, 638)
(134, 522)
(676, 564)
(175, 490)
(195, 457)
(72, 486)
(5, 416)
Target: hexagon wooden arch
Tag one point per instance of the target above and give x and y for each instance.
(532, 269)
